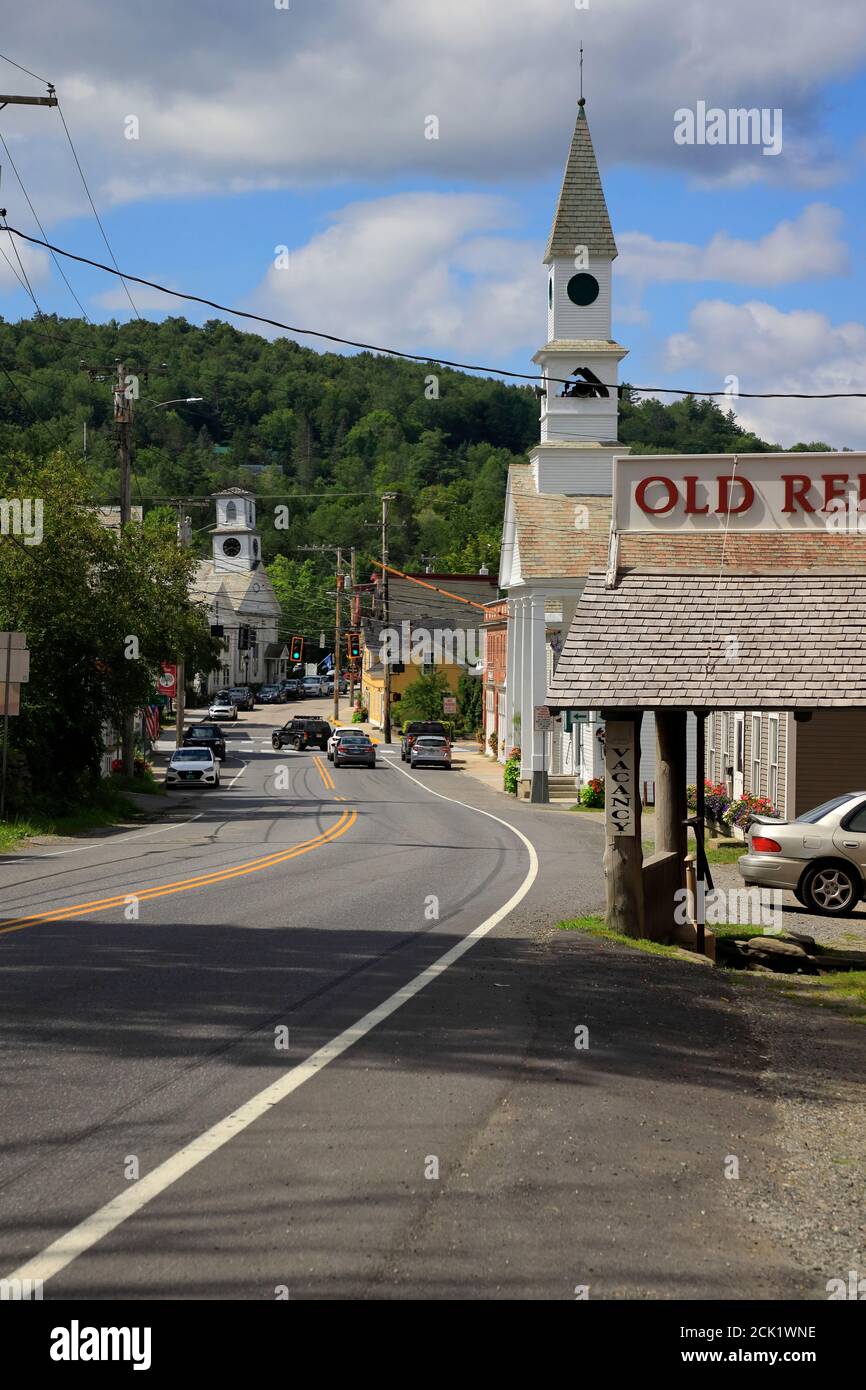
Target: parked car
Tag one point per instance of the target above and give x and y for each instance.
(192, 765)
(415, 729)
(291, 687)
(206, 736)
(312, 686)
(222, 708)
(242, 696)
(354, 752)
(430, 749)
(302, 733)
(820, 856)
(271, 695)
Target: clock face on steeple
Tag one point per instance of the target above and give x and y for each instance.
(582, 289)
(232, 546)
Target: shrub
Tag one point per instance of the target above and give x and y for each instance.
(592, 795)
(740, 812)
(493, 744)
(360, 715)
(511, 775)
(716, 800)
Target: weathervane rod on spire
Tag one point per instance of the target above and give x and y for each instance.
(580, 103)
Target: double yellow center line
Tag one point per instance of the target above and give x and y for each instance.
(325, 774)
(251, 866)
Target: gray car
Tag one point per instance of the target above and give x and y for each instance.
(820, 856)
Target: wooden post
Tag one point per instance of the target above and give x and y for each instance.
(623, 855)
(671, 774)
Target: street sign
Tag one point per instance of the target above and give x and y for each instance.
(18, 663)
(543, 719)
(14, 699)
(449, 704)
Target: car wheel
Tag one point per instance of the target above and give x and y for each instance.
(296, 744)
(830, 889)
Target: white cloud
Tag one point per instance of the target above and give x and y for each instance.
(30, 264)
(254, 96)
(768, 349)
(806, 248)
(416, 271)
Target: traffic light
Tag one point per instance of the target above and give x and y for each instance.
(243, 638)
(297, 649)
(353, 646)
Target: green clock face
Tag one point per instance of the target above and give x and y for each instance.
(583, 289)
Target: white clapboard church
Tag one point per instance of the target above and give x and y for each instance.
(557, 506)
(240, 598)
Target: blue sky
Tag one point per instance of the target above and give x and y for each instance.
(304, 127)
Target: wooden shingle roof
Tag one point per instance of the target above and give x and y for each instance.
(581, 217)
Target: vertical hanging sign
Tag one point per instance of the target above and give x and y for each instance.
(620, 786)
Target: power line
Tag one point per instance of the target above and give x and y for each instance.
(425, 357)
(27, 70)
(41, 228)
(95, 213)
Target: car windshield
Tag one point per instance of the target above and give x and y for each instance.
(192, 755)
(431, 742)
(811, 817)
(353, 738)
(201, 733)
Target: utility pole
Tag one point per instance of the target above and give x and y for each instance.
(386, 719)
(183, 538)
(352, 623)
(338, 636)
(123, 421)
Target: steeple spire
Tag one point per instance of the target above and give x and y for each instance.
(581, 217)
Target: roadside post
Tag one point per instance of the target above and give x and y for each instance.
(623, 854)
(15, 672)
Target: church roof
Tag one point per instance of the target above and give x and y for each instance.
(581, 217)
(245, 591)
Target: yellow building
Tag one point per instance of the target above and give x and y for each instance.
(428, 629)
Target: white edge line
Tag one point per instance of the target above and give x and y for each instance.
(98, 844)
(61, 1252)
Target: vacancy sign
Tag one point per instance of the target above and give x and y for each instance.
(749, 492)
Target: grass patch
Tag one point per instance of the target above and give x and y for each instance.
(596, 926)
(108, 806)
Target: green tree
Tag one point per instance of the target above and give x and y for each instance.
(423, 698)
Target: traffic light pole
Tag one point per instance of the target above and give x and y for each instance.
(123, 420)
(338, 637)
(352, 621)
(386, 646)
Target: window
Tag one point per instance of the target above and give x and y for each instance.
(756, 755)
(711, 771)
(857, 822)
(773, 759)
(231, 512)
(726, 745)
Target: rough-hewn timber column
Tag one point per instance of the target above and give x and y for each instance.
(671, 778)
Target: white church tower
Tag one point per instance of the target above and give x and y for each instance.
(237, 546)
(557, 513)
(579, 420)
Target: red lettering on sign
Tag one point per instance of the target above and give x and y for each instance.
(692, 508)
(831, 491)
(641, 491)
(748, 497)
(796, 487)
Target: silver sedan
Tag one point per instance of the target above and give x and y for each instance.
(820, 856)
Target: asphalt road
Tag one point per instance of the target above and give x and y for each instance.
(256, 1050)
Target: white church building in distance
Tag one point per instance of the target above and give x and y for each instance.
(240, 598)
(557, 507)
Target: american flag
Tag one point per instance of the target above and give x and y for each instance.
(151, 722)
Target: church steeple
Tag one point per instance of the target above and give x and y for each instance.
(581, 217)
(578, 421)
(236, 542)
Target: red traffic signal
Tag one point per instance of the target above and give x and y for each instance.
(297, 649)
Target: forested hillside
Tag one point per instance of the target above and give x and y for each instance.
(324, 433)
